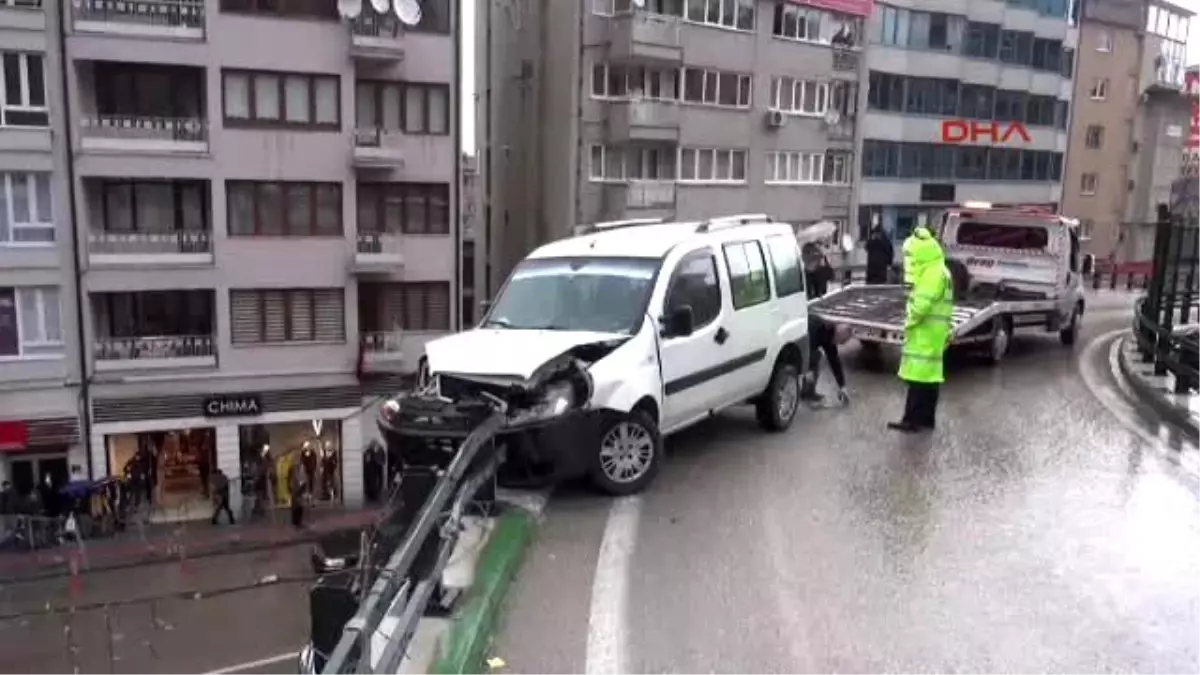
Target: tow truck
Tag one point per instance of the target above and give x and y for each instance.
(1014, 268)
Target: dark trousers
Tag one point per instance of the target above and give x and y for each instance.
(222, 507)
(877, 275)
(297, 513)
(920, 405)
(823, 341)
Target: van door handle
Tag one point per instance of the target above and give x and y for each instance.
(721, 335)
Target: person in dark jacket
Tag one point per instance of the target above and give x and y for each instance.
(821, 334)
(879, 255)
(220, 497)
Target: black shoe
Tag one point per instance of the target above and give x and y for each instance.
(810, 396)
(904, 427)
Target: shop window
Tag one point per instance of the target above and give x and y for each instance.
(168, 471)
(270, 452)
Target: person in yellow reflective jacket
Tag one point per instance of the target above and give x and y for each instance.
(927, 329)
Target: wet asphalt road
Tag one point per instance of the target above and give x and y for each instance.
(1033, 531)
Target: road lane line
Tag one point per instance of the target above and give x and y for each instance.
(607, 632)
(250, 665)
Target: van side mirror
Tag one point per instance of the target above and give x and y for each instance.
(680, 322)
(1089, 265)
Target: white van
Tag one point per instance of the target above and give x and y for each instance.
(602, 343)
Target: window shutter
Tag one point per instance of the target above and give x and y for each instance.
(301, 327)
(245, 316)
(275, 316)
(329, 314)
(392, 308)
(438, 305)
(413, 306)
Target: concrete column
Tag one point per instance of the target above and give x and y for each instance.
(229, 460)
(352, 461)
(77, 456)
(98, 458)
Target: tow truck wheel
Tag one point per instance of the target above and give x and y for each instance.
(776, 407)
(998, 345)
(628, 454)
(1070, 334)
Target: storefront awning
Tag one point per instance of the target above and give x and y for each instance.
(14, 436)
(54, 433)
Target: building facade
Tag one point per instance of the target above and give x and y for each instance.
(969, 102)
(597, 110)
(41, 421)
(264, 196)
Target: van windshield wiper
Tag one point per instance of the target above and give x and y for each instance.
(498, 323)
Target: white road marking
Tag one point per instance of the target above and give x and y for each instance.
(606, 640)
(250, 665)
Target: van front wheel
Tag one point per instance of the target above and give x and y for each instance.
(628, 454)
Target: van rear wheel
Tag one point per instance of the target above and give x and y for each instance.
(776, 407)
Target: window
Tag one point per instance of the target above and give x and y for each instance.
(1100, 89)
(30, 321)
(747, 274)
(263, 316)
(1104, 40)
(737, 14)
(695, 284)
(785, 260)
(158, 206)
(274, 99)
(1088, 183)
(23, 96)
(712, 165)
(808, 24)
(795, 168)
(408, 208)
(26, 209)
(800, 97)
(837, 168)
(1095, 136)
(641, 82)
(415, 108)
(426, 306)
(283, 209)
(607, 163)
(300, 9)
(714, 87)
(983, 40)
(1026, 238)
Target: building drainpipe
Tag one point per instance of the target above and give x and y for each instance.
(85, 419)
(456, 307)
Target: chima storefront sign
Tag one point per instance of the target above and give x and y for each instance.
(233, 405)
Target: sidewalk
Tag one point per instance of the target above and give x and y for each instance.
(193, 539)
(1159, 390)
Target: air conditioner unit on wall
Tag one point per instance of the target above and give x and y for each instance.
(775, 119)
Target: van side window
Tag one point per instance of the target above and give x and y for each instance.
(695, 282)
(747, 274)
(789, 280)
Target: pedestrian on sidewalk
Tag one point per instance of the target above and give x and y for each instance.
(927, 329)
(879, 255)
(220, 497)
(298, 491)
(822, 336)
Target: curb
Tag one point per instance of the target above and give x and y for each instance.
(1154, 396)
(464, 647)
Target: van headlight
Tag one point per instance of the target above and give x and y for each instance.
(557, 399)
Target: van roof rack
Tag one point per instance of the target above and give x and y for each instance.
(736, 220)
(607, 225)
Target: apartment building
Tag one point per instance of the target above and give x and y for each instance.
(40, 395)
(968, 101)
(265, 198)
(474, 242)
(609, 109)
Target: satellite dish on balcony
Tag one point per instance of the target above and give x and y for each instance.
(408, 11)
(380, 6)
(832, 117)
(349, 9)
(639, 3)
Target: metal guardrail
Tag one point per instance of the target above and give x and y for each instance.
(404, 586)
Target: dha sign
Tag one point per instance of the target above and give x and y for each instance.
(971, 131)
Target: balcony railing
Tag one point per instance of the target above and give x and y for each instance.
(155, 348)
(376, 26)
(164, 13)
(369, 137)
(22, 4)
(383, 343)
(377, 242)
(845, 59)
(150, 243)
(132, 127)
(650, 194)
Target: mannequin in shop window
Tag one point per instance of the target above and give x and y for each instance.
(373, 469)
(308, 458)
(329, 467)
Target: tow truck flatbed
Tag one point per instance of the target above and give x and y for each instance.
(875, 313)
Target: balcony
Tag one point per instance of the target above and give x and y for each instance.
(376, 147)
(643, 120)
(378, 253)
(174, 19)
(147, 330)
(133, 249)
(143, 353)
(383, 351)
(639, 198)
(22, 14)
(142, 108)
(376, 37)
(846, 60)
(645, 37)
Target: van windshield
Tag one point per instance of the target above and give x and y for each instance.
(1023, 237)
(606, 295)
